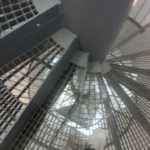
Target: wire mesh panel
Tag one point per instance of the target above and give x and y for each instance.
(25, 76)
(76, 116)
(43, 127)
(9, 108)
(136, 66)
(73, 125)
(132, 134)
(14, 12)
(86, 110)
(133, 57)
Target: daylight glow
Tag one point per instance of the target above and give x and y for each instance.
(135, 2)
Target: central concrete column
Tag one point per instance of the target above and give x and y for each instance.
(96, 23)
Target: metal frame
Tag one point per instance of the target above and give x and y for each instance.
(111, 120)
(131, 56)
(25, 38)
(131, 69)
(135, 111)
(44, 95)
(132, 85)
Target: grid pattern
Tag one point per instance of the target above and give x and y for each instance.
(14, 12)
(9, 108)
(135, 61)
(62, 129)
(20, 84)
(133, 136)
(83, 102)
(44, 127)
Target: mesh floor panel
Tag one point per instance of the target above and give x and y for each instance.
(75, 116)
(105, 111)
(20, 84)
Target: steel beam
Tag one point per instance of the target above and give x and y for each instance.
(131, 56)
(123, 68)
(135, 111)
(110, 119)
(140, 89)
(44, 95)
(25, 38)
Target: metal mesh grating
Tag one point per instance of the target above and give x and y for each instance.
(84, 103)
(68, 124)
(20, 84)
(14, 12)
(42, 128)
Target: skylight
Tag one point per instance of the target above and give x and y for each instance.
(135, 2)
